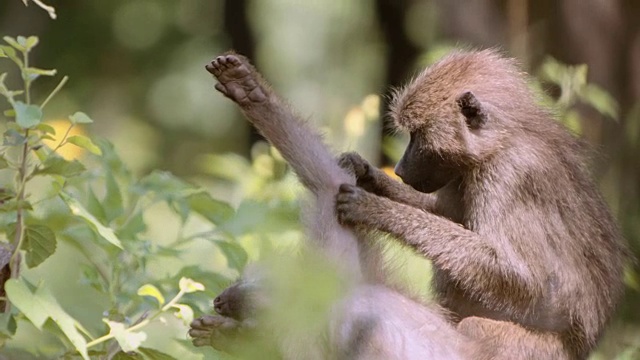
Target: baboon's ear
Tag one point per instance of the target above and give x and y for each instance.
(472, 110)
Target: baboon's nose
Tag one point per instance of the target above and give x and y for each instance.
(218, 303)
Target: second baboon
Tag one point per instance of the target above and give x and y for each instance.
(500, 199)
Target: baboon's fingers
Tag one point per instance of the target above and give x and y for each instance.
(195, 333)
(211, 67)
(355, 164)
(352, 205)
(200, 342)
(345, 162)
(207, 321)
(214, 67)
(232, 59)
(346, 192)
(222, 60)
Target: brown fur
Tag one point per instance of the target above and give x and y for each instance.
(514, 225)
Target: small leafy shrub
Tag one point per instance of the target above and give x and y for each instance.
(94, 206)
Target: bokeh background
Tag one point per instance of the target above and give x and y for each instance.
(137, 68)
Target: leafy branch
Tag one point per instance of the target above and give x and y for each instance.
(48, 8)
(127, 338)
(27, 117)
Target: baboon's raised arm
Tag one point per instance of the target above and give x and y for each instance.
(303, 148)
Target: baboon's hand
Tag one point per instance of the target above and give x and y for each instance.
(363, 171)
(213, 330)
(355, 164)
(354, 205)
(220, 332)
(237, 79)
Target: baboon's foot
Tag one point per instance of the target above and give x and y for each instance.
(237, 79)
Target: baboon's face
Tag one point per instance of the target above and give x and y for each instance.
(444, 141)
(233, 302)
(244, 299)
(424, 169)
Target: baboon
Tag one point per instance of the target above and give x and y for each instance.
(499, 198)
(372, 321)
(527, 257)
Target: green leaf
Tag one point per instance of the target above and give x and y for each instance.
(56, 165)
(600, 100)
(78, 210)
(235, 254)
(552, 70)
(571, 120)
(215, 211)
(8, 325)
(2, 54)
(85, 143)
(112, 204)
(6, 194)
(22, 41)
(11, 54)
(214, 282)
(150, 290)
(188, 286)
(153, 354)
(177, 193)
(27, 116)
(165, 185)
(33, 73)
(180, 207)
(13, 138)
(31, 42)
(13, 205)
(80, 118)
(580, 74)
(39, 243)
(40, 306)
(22, 297)
(11, 41)
(9, 113)
(91, 276)
(94, 206)
(184, 312)
(46, 128)
(631, 278)
(128, 340)
(111, 160)
(134, 226)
